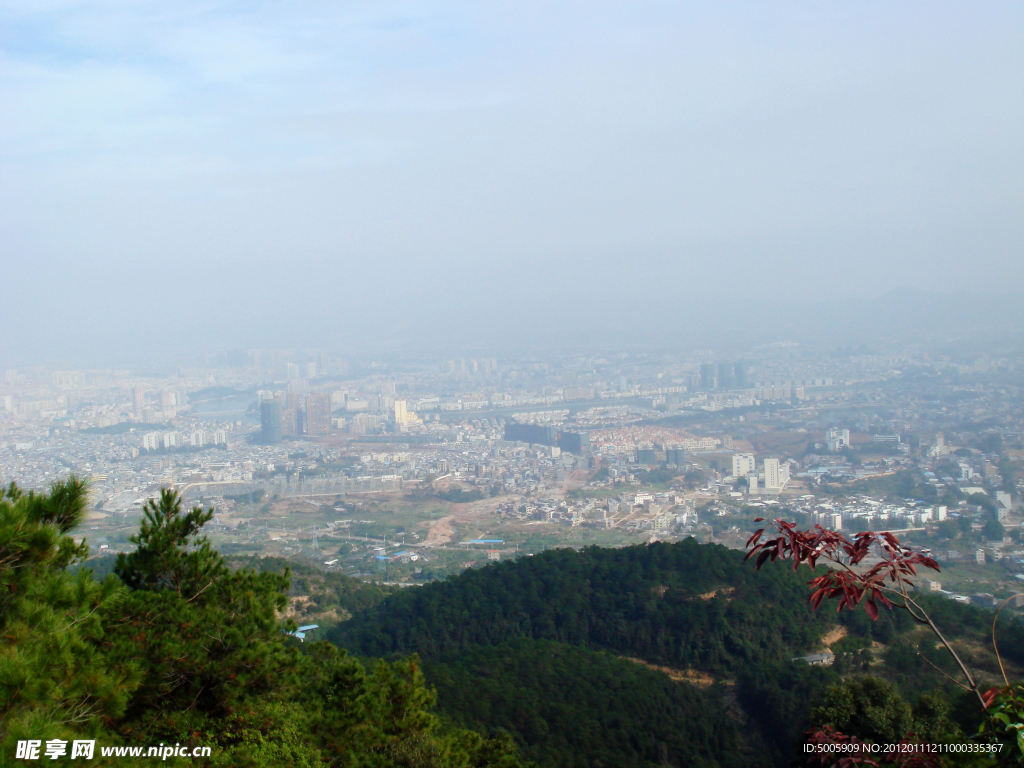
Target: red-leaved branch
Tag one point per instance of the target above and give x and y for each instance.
(891, 573)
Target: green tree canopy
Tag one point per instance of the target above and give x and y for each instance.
(57, 677)
(993, 530)
(178, 648)
(868, 707)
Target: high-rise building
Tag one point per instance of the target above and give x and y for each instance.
(772, 479)
(725, 380)
(401, 413)
(838, 439)
(646, 456)
(291, 423)
(743, 464)
(318, 414)
(740, 375)
(707, 377)
(138, 402)
(270, 421)
(572, 442)
(292, 371)
(362, 423)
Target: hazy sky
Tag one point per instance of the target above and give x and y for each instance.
(180, 175)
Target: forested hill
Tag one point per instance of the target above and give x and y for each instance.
(569, 707)
(682, 604)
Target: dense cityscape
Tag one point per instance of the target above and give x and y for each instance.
(415, 467)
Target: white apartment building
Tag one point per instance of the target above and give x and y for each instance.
(401, 413)
(743, 464)
(838, 439)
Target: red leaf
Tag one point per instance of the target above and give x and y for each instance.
(990, 695)
(872, 609)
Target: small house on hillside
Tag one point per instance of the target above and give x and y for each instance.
(825, 658)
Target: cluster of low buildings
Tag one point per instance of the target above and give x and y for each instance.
(628, 511)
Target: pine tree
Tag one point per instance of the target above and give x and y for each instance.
(178, 648)
(58, 676)
(209, 638)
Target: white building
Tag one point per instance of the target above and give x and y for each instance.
(401, 413)
(838, 439)
(743, 464)
(940, 448)
(772, 480)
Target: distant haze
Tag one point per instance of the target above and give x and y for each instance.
(185, 175)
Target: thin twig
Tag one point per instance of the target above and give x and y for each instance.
(933, 666)
(945, 642)
(197, 594)
(995, 646)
